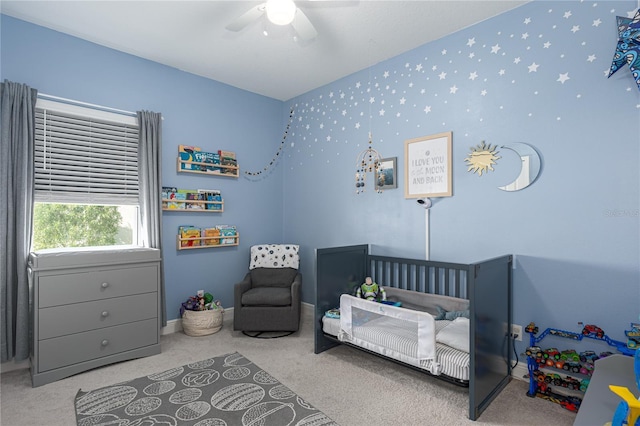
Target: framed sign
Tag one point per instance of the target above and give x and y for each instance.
(386, 176)
(427, 167)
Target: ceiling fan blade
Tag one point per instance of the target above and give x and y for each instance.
(247, 18)
(303, 26)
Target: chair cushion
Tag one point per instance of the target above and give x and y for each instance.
(272, 277)
(267, 296)
(275, 256)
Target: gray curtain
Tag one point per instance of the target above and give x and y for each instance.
(17, 141)
(150, 183)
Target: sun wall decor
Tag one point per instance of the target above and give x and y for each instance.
(628, 48)
(482, 158)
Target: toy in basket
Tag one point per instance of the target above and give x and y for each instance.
(201, 315)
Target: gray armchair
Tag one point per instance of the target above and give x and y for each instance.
(268, 298)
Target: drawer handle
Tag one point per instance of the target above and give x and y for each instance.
(105, 314)
(105, 285)
(105, 342)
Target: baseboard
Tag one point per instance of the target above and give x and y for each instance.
(520, 372)
(174, 326)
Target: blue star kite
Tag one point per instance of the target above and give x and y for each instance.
(628, 48)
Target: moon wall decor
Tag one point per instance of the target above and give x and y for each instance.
(530, 167)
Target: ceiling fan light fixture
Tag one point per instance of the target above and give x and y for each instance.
(281, 12)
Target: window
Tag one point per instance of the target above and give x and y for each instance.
(86, 177)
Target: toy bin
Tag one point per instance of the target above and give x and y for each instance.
(202, 323)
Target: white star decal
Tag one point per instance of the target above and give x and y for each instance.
(533, 67)
(427, 109)
(527, 21)
(567, 14)
(444, 51)
(597, 22)
(357, 85)
(442, 75)
(591, 58)
(546, 45)
(483, 93)
(473, 75)
(525, 36)
(357, 125)
(402, 100)
(344, 112)
(501, 72)
(563, 77)
(471, 41)
(372, 100)
(419, 67)
(328, 138)
(575, 29)
(453, 89)
(386, 74)
(472, 55)
(495, 48)
(381, 112)
(516, 61)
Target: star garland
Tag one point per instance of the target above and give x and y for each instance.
(280, 148)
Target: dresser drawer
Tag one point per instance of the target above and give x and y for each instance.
(62, 320)
(67, 350)
(66, 288)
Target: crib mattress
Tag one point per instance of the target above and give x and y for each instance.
(388, 335)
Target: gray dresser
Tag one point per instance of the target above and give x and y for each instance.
(91, 308)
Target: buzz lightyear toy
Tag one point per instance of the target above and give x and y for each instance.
(371, 291)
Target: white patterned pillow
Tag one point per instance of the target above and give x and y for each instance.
(274, 256)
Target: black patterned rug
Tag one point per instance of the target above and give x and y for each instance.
(226, 390)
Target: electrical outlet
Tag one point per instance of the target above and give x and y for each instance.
(516, 331)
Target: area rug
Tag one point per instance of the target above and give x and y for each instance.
(225, 390)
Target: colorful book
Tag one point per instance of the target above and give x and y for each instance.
(187, 153)
(191, 234)
(228, 158)
(211, 232)
(227, 231)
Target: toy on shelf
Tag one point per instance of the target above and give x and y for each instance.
(568, 360)
(633, 336)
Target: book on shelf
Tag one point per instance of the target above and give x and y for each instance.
(228, 158)
(211, 232)
(187, 153)
(211, 195)
(189, 235)
(167, 193)
(195, 196)
(227, 231)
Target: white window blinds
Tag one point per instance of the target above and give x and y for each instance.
(85, 156)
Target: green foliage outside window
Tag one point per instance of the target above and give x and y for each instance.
(75, 225)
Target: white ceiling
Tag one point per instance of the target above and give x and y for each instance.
(191, 35)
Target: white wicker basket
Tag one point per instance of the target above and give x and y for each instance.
(202, 323)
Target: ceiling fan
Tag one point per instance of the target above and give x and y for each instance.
(279, 12)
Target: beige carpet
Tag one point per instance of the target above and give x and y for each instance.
(351, 387)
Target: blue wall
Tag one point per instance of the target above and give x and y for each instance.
(196, 111)
(575, 232)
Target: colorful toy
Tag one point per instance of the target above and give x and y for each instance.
(588, 356)
(593, 330)
(570, 355)
(371, 291)
(633, 336)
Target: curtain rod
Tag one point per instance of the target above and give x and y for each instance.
(74, 102)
